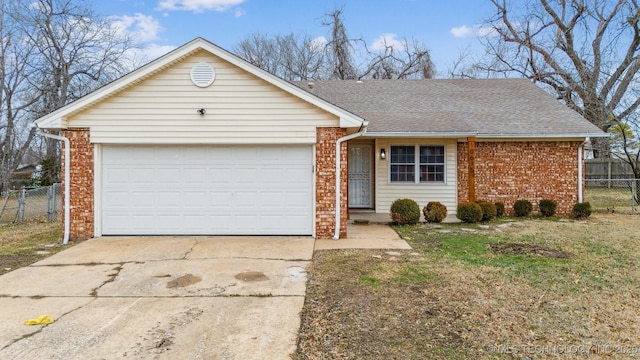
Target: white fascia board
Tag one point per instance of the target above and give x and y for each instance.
(47, 122)
(463, 134)
(543, 136)
(431, 135)
(56, 119)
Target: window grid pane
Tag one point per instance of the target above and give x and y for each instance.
(402, 164)
(432, 163)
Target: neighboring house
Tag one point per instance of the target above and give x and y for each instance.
(202, 142)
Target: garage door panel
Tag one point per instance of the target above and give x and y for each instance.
(169, 200)
(195, 176)
(117, 175)
(175, 190)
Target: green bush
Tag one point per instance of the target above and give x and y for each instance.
(499, 208)
(469, 212)
(405, 211)
(489, 211)
(434, 212)
(581, 210)
(522, 207)
(547, 207)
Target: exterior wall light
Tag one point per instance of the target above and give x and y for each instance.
(383, 154)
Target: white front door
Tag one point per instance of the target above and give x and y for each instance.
(360, 170)
(207, 190)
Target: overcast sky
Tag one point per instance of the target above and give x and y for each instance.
(447, 27)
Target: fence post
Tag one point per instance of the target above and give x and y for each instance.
(634, 191)
(51, 203)
(21, 203)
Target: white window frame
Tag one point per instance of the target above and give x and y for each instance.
(417, 164)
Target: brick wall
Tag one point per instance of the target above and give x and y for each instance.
(326, 182)
(81, 184)
(508, 171)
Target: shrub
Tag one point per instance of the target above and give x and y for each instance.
(489, 211)
(499, 208)
(434, 212)
(522, 207)
(547, 207)
(469, 212)
(405, 211)
(581, 210)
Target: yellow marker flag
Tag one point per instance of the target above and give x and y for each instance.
(42, 320)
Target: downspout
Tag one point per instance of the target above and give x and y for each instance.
(360, 132)
(580, 152)
(67, 173)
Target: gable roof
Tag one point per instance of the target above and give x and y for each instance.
(487, 108)
(58, 118)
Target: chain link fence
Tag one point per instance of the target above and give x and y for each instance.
(613, 195)
(41, 203)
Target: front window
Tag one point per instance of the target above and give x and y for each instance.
(431, 163)
(403, 164)
(427, 167)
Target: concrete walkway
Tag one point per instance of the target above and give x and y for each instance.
(160, 298)
(366, 236)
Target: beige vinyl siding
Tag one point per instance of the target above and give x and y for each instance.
(446, 192)
(240, 109)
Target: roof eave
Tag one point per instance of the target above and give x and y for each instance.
(422, 134)
(542, 136)
(459, 134)
(51, 122)
(57, 117)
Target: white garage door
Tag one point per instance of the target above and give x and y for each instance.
(207, 190)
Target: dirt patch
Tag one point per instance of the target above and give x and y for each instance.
(252, 276)
(529, 250)
(183, 281)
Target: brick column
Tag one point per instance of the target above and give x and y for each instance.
(326, 182)
(81, 184)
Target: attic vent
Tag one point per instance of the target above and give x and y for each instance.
(202, 74)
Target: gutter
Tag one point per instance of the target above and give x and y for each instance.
(67, 181)
(580, 161)
(361, 131)
(464, 134)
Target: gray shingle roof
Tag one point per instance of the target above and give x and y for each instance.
(488, 107)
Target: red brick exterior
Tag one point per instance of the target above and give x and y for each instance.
(326, 182)
(532, 170)
(81, 184)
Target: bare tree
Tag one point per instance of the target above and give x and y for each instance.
(292, 57)
(341, 48)
(300, 57)
(77, 52)
(51, 53)
(410, 60)
(586, 52)
(15, 97)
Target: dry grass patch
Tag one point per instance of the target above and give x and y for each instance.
(454, 297)
(26, 243)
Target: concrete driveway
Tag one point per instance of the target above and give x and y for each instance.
(159, 298)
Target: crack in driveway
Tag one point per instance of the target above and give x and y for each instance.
(26, 336)
(188, 252)
(112, 278)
